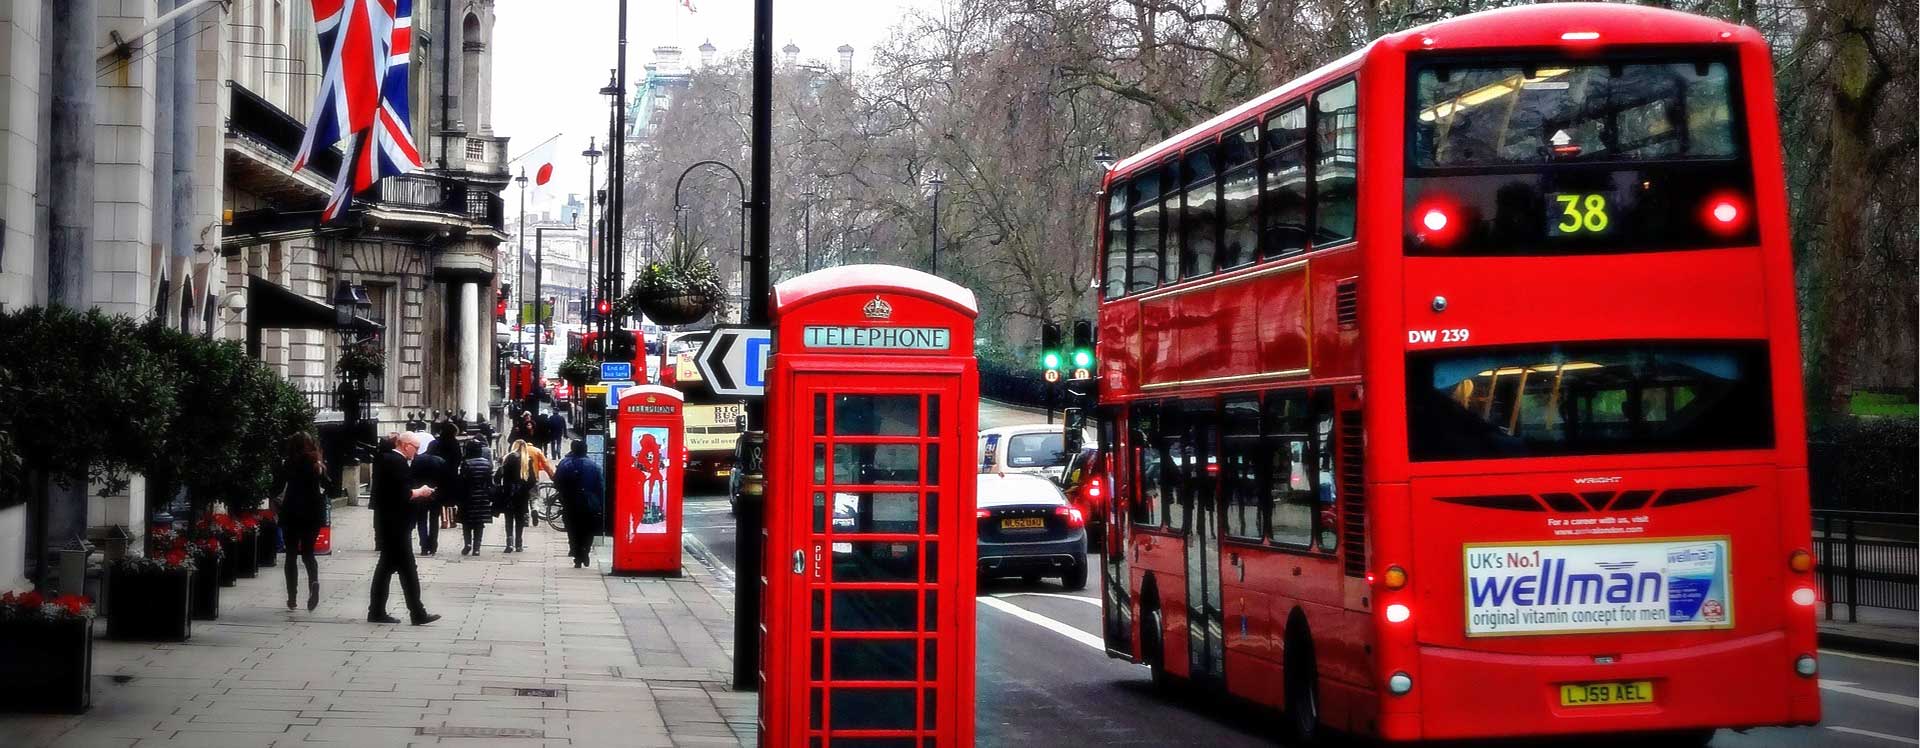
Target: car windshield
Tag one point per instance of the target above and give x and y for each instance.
(1556, 112)
(1036, 450)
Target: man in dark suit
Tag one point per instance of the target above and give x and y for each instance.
(394, 494)
(582, 496)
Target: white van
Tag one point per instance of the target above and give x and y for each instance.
(1036, 449)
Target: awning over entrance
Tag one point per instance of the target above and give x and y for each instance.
(273, 306)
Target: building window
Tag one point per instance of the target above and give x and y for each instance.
(476, 149)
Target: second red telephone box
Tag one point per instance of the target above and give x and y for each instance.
(872, 413)
(650, 464)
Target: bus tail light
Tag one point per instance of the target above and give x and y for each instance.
(1805, 597)
(1724, 214)
(1436, 222)
(1806, 666)
(1093, 488)
(1400, 684)
(1395, 578)
(1398, 613)
(1800, 561)
(1074, 518)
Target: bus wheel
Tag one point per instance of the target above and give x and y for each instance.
(1302, 690)
(1156, 651)
(1685, 739)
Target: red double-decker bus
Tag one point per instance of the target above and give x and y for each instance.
(1453, 390)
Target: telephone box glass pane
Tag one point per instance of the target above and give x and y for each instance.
(930, 709)
(876, 464)
(933, 562)
(873, 610)
(928, 660)
(875, 561)
(933, 414)
(868, 511)
(933, 513)
(873, 659)
(870, 709)
(819, 415)
(876, 415)
(846, 742)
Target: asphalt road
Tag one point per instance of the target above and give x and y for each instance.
(1044, 678)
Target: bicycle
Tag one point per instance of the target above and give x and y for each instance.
(546, 506)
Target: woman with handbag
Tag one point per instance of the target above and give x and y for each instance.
(302, 508)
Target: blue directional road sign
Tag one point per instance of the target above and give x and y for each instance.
(616, 371)
(734, 361)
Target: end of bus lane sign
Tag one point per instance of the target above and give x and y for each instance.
(734, 361)
(616, 371)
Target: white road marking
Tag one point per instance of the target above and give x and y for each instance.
(1093, 601)
(1044, 622)
(1872, 734)
(1847, 687)
(1868, 658)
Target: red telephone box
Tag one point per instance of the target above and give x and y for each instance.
(651, 460)
(868, 632)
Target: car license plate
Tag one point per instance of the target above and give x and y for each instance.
(1602, 694)
(1024, 523)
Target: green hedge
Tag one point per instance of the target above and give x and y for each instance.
(92, 396)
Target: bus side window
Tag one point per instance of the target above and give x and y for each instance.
(1327, 519)
(1116, 238)
(1147, 465)
(1336, 126)
(1177, 462)
(1170, 216)
(1283, 197)
(1200, 224)
(1290, 474)
(1144, 233)
(1240, 469)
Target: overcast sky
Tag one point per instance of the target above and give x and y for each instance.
(550, 58)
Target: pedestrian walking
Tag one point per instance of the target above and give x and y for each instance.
(556, 430)
(428, 470)
(394, 497)
(300, 495)
(520, 473)
(476, 498)
(583, 496)
(447, 490)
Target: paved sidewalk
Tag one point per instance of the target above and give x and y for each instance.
(531, 652)
(1889, 633)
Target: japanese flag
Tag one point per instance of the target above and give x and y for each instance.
(539, 167)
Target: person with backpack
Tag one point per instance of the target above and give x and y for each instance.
(519, 474)
(582, 494)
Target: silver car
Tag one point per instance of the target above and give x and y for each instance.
(1028, 530)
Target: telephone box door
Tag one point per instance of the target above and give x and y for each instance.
(879, 545)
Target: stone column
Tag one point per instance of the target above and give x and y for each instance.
(472, 396)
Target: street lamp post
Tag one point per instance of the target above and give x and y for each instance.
(593, 158)
(520, 267)
(936, 183)
(745, 208)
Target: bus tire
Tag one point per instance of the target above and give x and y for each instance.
(1684, 739)
(1154, 642)
(1302, 687)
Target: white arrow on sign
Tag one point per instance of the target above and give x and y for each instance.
(734, 360)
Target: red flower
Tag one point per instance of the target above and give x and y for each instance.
(176, 558)
(74, 605)
(249, 523)
(31, 600)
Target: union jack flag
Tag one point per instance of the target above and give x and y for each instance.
(363, 96)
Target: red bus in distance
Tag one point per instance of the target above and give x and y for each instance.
(1452, 391)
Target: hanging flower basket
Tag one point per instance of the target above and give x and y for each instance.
(46, 653)
(677, 292)
(362, 359)
(579, 371)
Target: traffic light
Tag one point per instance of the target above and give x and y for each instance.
(604, 308)
(1082, 354)
(500, 310)
(1051, 357)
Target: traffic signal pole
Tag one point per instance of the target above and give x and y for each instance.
(751, 512)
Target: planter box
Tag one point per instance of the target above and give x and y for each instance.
(46, 666)
(149, 607)
(206, 592)
(246, 554)
(269, 545)
(229, 571)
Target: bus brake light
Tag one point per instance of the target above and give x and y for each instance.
(1434, 220)
(1398, 613)
(1580, 36)
(1724, 214)
(1805, 597)
(1093, 488)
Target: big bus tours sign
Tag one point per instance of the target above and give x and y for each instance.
(1598, 587)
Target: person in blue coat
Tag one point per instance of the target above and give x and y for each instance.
(583, 496)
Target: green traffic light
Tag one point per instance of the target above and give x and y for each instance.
(1082, 358)
(1050, 360)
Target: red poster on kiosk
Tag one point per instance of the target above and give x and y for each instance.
(650, 463)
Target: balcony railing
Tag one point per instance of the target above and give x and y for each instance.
(440, 194)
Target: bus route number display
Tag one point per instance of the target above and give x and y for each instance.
(1578, 213)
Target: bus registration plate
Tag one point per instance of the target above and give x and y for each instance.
(1602, 694)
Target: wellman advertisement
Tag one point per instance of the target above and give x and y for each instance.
(1558, 588)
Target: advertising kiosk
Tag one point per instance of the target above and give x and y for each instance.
(872, 415)
(649, 462)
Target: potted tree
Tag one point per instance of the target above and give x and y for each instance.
(150, 598)
(46, 652)
(678, 289)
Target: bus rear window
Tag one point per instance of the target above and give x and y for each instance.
(1585, 399)
(1558, 112)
